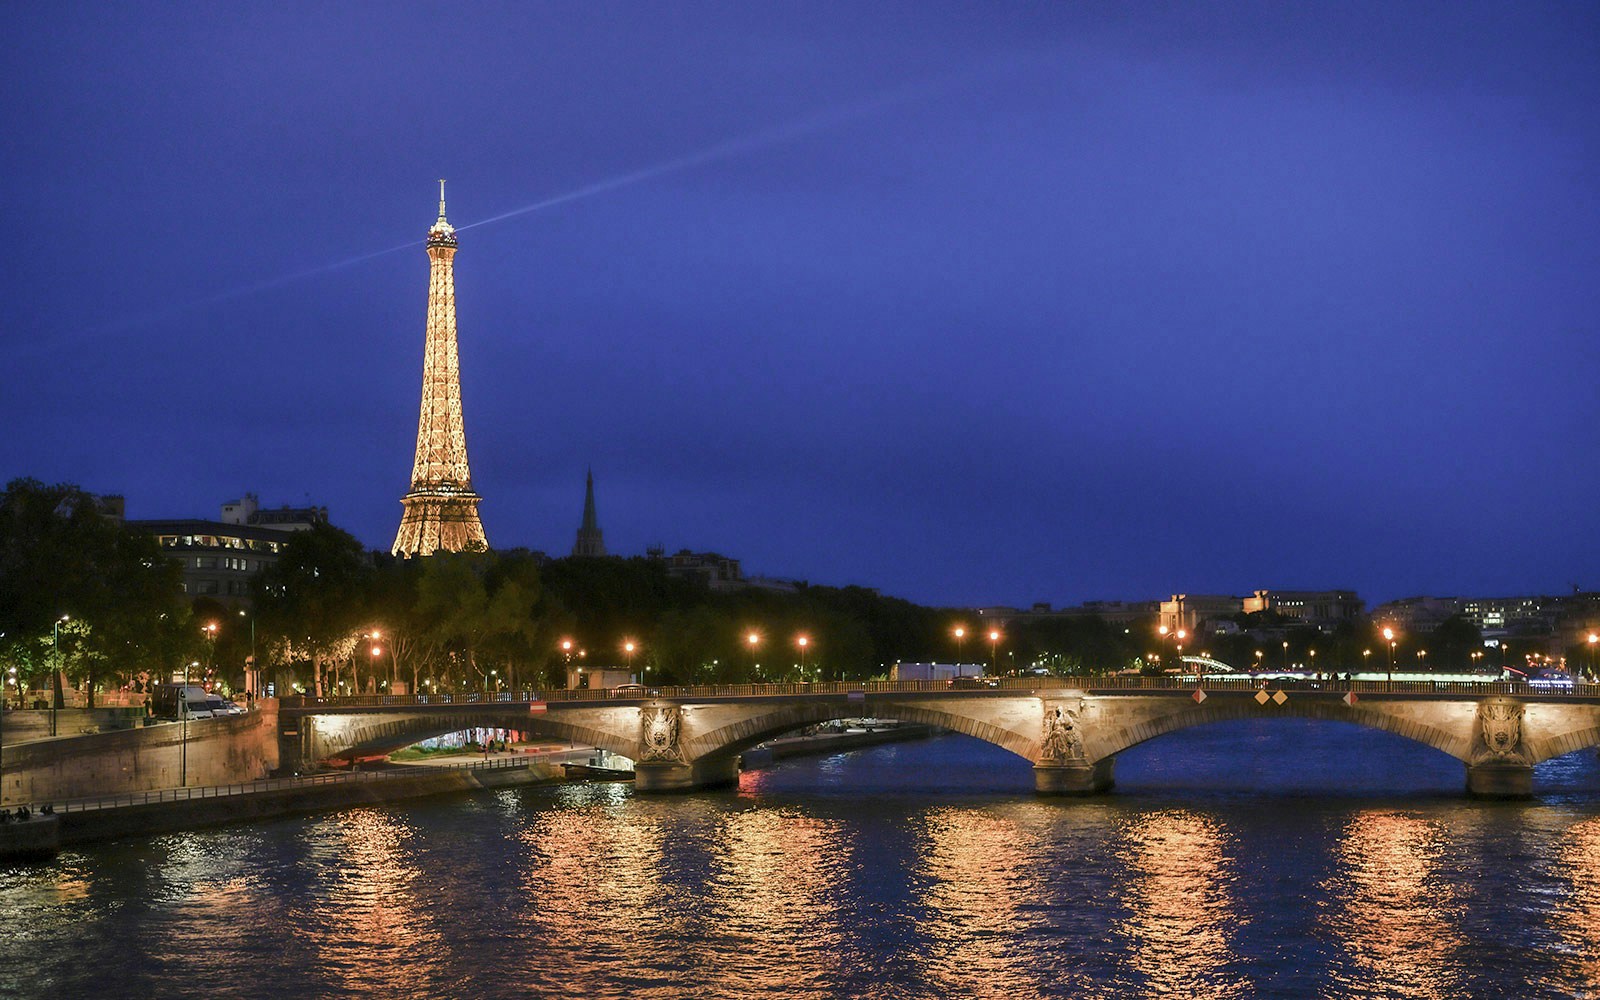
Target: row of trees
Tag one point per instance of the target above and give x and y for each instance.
(355, 620)
(82, 594)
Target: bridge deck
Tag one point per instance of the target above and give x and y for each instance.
(1097, 685)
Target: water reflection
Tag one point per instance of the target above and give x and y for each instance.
(1182, 905)
(366, 927)
(981, 873)
(890, 885)
(1393, 914)
(590, 879)
(775, 892)
(1578, 920)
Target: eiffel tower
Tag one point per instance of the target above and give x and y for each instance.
(441, 511)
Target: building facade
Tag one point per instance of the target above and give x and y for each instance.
(1317, 607)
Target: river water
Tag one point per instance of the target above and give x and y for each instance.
(1247, 859)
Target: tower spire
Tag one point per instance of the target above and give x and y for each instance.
(441, 510)
(590, 542)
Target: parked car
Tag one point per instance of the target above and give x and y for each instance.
(972, 682)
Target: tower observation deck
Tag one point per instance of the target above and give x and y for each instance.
(441, 510)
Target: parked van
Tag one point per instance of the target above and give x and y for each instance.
(175, 701)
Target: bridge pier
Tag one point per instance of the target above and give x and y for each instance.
(672, 776)
(1073, 779)
(1500, 781)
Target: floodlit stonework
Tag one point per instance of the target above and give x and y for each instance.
(441, 510)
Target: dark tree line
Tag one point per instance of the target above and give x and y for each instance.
(83, 593)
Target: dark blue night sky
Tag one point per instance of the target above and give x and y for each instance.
(976, 303)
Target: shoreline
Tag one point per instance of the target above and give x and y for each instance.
(172, 810)
(42, 836)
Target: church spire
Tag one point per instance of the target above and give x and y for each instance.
(590, 544)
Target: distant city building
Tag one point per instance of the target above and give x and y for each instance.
(1525, 615)
(112, 506)
(218, 558)
(1415, 614)
(441, 510)
(590, 543)
(1314, 606)
(717, 572)
(1187, 611)
(247, 510)
(1113, 612)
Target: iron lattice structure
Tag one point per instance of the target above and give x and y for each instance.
(441, 511)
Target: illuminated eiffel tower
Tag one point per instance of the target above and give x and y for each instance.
(441, 511)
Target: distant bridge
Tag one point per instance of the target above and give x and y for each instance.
(1070, 729)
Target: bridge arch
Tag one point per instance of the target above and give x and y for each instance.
(1108, 741)
(339, 735)
(729, 740)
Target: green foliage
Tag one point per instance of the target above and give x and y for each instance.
(60, 556)
(314, 603)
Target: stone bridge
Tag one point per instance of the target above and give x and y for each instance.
(1070, 729)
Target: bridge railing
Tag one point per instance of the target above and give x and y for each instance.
(1100, 682)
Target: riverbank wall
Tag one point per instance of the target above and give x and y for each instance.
(174, 809)
(199, 752)
(825, 743)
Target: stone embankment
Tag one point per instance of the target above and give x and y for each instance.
(141, 757)
(171, 809)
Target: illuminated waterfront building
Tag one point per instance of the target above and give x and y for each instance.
(441, 511)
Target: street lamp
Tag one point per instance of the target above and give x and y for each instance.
(1365, 655)
(960, 632)
(55, 677)
(752, 640)
(1594, 642)
(802, 642)
(183, 714)
(628, 647)
(210, 629)
(252, 684)
(1286, 656)
(1178, 638)
(994, 651)
(1388, 636)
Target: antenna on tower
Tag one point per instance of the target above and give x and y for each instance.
(441, 199)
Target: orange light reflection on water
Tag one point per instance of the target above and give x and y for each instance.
(590, 875)
(981, 875)
(1182, 905)
(1579, 919)
(775, 889)
(1395, 916)
(370, 931)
